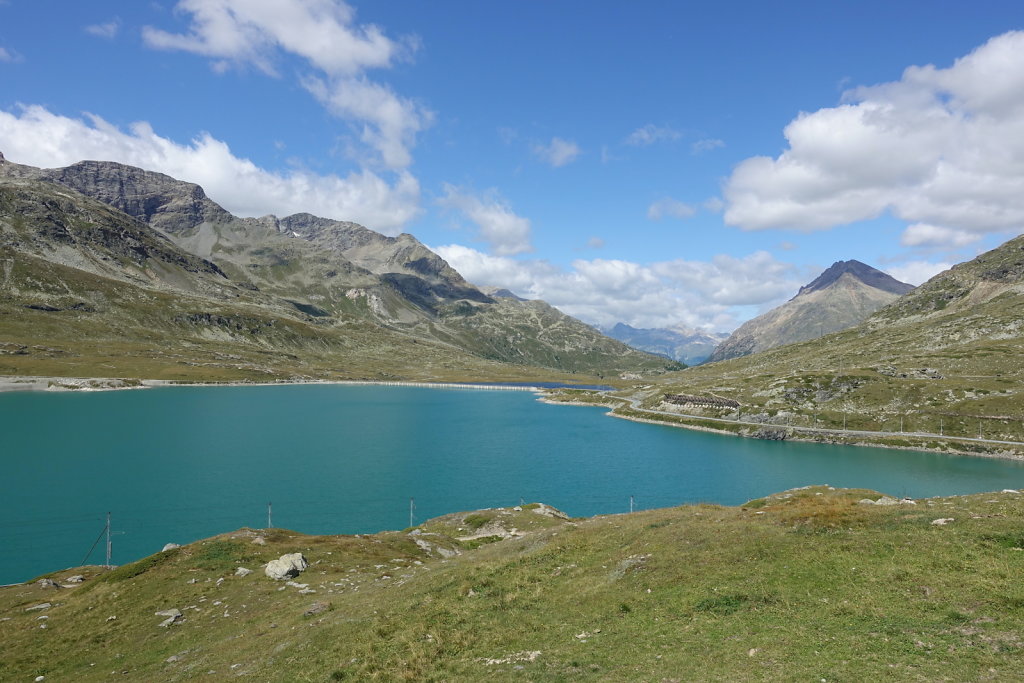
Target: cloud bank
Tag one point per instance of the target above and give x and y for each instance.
(607, 291)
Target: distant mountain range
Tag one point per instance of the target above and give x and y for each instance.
(841, 297)
(99, 255)
(681, 343)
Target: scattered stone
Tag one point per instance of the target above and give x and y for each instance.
(40, 678)
(242, 571)
(77, 578)
(112, 618)
(751, 652)
(943, 521)
(1010, 491)
(525, 656)
(172, 659)
(193, 580)
(769, 434)
(259, 540)
(42, 605)
(548, 511)
(317, 608)
(307, 591)
(169, 546)
(172, 615)
(886, 500)
(48, 583)
(287, 566)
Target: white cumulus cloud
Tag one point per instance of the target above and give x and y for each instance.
(710, 295)
(917, 272)
(558, 152)
(650, 134)
(670, 208)
(38, 137)
(106, 30)
(940, 146)
(326, 35)
(927, 235)
(496, 223)
(9, 56)
(706, 145)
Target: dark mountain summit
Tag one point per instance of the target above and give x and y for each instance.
(863, 272)
(841, 297)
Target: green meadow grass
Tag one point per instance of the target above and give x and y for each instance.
(805, 585)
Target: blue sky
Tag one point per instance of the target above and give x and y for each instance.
(656, 163)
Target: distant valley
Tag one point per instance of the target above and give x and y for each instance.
(681, 343)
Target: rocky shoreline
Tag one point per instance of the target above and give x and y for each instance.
(29, 383)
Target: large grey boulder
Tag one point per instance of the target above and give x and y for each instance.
(286, 567)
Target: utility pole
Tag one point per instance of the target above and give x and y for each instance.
(901, 424)
(631, 504)
(108, 541)
(412, 509)
(270, 515)
(940, 426)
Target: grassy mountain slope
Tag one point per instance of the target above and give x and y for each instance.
(946, 356)
(806, 585)
(187, 290)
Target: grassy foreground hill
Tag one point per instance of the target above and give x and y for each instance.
(811, 584)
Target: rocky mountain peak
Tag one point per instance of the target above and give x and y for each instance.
(162, 201)
(872, 277)
(841, 297)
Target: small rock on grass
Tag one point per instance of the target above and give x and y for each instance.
(317, 608)
(287, 566)
(172, 615)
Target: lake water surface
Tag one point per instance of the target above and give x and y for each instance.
(181, 463)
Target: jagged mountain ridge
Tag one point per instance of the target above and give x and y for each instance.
(841, 297)
(335, 275)
(680, 343)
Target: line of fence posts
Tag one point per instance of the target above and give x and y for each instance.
(923, 423)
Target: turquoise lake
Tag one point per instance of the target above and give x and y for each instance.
(181, 463)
